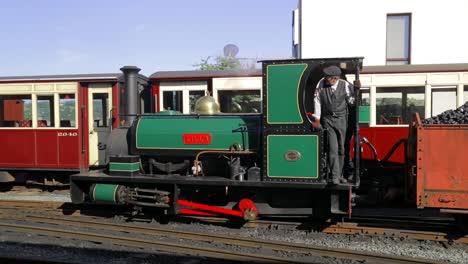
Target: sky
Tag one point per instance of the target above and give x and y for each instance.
(100, 36)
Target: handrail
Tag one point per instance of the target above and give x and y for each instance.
(418, 119)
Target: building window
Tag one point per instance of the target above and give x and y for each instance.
(395, 106)
(398, 39)
(443, 99)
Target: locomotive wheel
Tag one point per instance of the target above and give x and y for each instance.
(462, 222)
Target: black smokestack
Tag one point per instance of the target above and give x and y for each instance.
(129, 96)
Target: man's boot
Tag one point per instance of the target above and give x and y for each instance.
(335, 180)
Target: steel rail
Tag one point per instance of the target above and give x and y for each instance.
(375, 228)
(142, 243)
(232, 240)
(386, 228)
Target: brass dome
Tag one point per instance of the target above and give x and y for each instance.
(206, 105)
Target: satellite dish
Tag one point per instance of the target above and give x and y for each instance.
(230, 50)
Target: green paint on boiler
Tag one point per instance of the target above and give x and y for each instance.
(167, 132)
(307, 166)
(283, 85)
(104, 193)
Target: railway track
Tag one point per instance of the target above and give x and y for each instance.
(36, 225)
(418, 229)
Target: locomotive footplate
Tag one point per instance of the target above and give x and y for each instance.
(271, 198)
(201, 180)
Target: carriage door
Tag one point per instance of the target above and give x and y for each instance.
(99, 122)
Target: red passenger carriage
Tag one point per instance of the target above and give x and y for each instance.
(55, 123)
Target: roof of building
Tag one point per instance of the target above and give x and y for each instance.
(64, 77)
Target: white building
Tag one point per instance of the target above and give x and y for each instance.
(415, 52)
(384, 32)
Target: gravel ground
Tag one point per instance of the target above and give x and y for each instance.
(424, 249)
(437, 251)
(35, 194)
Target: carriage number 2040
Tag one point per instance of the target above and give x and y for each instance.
(67, 134)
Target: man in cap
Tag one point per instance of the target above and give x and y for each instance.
(332, 98)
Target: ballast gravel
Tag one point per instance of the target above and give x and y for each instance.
(431, 250)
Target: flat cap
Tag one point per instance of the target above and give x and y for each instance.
(332, 71)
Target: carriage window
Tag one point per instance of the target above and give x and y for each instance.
(443, 98)
(15, 111)
(172, 100)
(364, 106)
(67, 110)
(395, 106)
(465, 94)
(365, 97)
(245, 101)
(100, 103)
(45, 111)
(194, 96)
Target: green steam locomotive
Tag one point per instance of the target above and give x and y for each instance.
(215, 164)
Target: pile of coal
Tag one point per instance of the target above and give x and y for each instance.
(457, 116)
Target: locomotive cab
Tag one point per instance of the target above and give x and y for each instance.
(287, 117)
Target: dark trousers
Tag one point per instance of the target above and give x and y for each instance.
(336, 126)
(348, 169)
